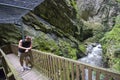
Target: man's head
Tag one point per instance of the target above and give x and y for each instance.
(28, 38)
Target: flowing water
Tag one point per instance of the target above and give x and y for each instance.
(94, 57)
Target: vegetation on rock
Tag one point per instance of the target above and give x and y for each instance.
(59, 47)
(111, 45)
(9, 34)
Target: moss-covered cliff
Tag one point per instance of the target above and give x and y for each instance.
(9, 34)
(58, 22)
(111, 46)
(60, 14)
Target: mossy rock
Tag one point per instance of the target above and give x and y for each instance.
(111, 45)
(9, 33)
(118, 1)
(63, 47)
(82, 47)
(116, 64)
(117, 53)
(92, 31)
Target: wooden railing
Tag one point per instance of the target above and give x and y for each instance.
(9, 70)
(60, 68)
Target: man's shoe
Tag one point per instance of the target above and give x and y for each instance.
(22, 69)
(28, 68)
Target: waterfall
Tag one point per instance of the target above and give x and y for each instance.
(94, 57)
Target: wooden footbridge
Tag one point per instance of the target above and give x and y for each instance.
(51, 67)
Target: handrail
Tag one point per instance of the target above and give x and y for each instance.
(14, 72)
(80, 67)
(60, 68)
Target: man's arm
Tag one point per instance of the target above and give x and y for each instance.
(30, 46)
(20, 45)
(27, 49)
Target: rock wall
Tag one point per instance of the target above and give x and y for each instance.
(101, 17)
(61, 14)
(98, 16)
(111, 46)
(9, 33)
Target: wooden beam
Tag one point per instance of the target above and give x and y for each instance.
(15, 73)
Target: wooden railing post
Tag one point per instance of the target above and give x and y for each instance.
(97, 75)
(5, 67)
(82, 68)
(89, 73)
(77, 72)
(72, 71)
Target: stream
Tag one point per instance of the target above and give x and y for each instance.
(94, 57)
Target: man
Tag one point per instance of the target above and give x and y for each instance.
(24, 49)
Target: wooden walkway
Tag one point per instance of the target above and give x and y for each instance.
(54, 67)
(32, 74)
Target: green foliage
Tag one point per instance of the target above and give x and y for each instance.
(62, 48)
(9, 34)
(95, 29)
(67, 50)
(73, 3)
(111, 42)
(82, 47)
(116, 65)
(117, 53)
(45, 44)
(118, 0)
(112, 37)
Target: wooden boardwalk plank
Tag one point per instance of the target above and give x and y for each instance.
(32, 74)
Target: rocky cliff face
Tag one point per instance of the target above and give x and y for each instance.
(9, 34)
(59, 20)
(100, 16)
(61, 14)
(102, 11)
(111, 46)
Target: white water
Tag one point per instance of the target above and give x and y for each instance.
(94, 58)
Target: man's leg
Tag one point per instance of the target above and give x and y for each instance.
(22, 60)
(19, 53)
(30, 58)
(27, 58)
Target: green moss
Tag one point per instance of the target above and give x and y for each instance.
(82, 47)
(61, 48)
(111, 45)
(64, 10)
(9, 34)
(116, 65)
(45, 44)
(67, 50)
(118, 0)
(73, 3)
(93, 31)
(117, 53)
